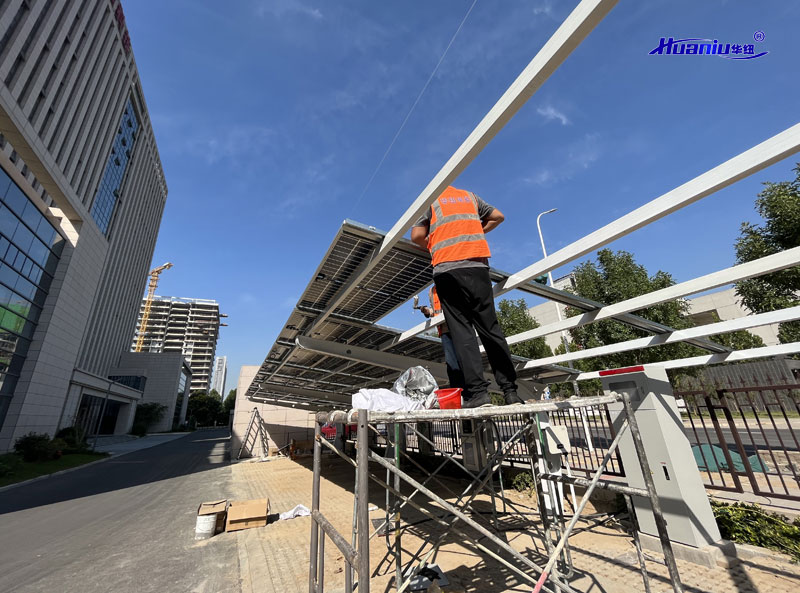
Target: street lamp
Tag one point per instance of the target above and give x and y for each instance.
(550, 278)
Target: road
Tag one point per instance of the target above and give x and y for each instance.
(125, 525)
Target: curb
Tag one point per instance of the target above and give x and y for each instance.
(58, 473)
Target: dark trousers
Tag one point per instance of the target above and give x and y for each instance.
(454, 375)
(468, 306)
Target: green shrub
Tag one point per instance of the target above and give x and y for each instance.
(750, 524)
(9, 463)
(35, 447)
(523, 482)
(147, 414)
(59, 448)
(75, 439)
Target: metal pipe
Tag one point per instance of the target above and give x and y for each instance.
(637, 544)
(562, 542)
(362, 491)
(661, 525)
(602, 484)
(338, 540)
(467, 414)
(454, 511)
(312, 567)
(445, 523)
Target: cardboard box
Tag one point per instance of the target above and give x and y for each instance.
(215, 507)
(244, 514)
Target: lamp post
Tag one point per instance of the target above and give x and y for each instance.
(550, 274)
(563, 333)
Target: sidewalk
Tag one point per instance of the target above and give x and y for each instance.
(275, 559)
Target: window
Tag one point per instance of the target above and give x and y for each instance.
(111, 183)
(30, 248)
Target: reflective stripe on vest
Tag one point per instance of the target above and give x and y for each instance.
(456, 230)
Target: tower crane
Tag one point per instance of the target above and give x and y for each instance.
(151, 291)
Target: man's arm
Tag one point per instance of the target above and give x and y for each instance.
(489, 223)
(419, 235)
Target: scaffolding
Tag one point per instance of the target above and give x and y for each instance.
(551, 577)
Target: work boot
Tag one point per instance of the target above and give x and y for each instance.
(512, 398)
(477, 401)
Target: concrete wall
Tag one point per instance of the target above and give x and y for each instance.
(163, 371)
(280, 423)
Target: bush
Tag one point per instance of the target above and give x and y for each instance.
(750, 524)
(147, 414)
(523, 482)
(9, 463)
(35, 447)
(74, 438)
(59, 448)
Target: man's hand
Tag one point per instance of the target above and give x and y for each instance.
(492, 221)
(426, 311)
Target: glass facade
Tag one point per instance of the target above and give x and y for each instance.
(30, 248)
(111, 183)
(176, 416)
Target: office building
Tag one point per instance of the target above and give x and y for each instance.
(220, 374)
(83, 192)
(189, 326)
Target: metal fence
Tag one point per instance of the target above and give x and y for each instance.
(590, 432)
(746, 439)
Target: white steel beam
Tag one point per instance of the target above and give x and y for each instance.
(704, 360)
(759, 157)
(722, 327)
(575, 28)
(765, 265)
(366, 355)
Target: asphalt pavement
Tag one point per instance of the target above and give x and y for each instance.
(124, 526)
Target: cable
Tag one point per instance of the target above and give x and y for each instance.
(410, 111)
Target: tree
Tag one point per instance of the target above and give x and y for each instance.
(617, 277)
(779, 207)
(205, 409)
(230, 402)
(514, 318)
(215, 393)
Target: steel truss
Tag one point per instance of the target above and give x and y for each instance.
(551, 577)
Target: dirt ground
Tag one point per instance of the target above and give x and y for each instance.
(275, 559)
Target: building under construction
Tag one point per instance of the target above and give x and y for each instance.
(188, 326)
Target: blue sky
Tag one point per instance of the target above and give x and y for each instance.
(272, 115)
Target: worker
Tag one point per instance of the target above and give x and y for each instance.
(454, 374)
(453, 230)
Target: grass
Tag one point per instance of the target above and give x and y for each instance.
(23, 470)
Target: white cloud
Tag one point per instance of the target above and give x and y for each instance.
(280, 8)
(544, 7)
(550, 113)
(569, 161)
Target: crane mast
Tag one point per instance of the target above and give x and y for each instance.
(151, 291)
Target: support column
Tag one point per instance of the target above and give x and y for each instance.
(673, 468)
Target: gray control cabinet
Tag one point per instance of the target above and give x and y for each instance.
(677, 480)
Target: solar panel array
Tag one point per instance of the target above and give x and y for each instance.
(293, 376)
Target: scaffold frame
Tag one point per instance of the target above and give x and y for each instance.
(544, 578)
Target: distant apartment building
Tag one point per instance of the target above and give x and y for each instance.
(82, 192)
(189, 326)
(220, 374)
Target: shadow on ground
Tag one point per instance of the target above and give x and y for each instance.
(196, 452)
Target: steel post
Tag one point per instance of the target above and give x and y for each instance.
(661, 525)
(362, 491)
(312, 568)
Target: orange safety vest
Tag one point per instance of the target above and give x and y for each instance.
(456, 231)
